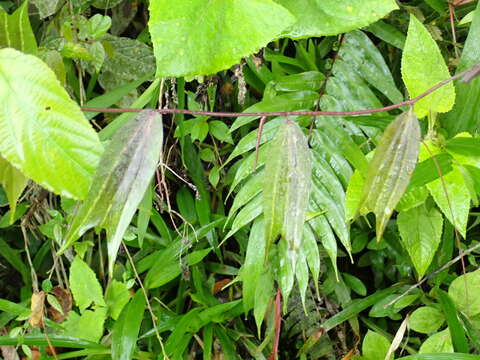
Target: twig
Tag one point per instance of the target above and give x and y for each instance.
(410, 102)
(436, 272)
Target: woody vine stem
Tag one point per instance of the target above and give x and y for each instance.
(467, 76)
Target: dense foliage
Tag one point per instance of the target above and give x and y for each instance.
(213, 234)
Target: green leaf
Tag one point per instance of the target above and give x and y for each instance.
(13, 257)
(106, 4)
(116, 298)
(263, 296)
(332, 17)
(126, 328)
(46, 7)
(13, 183)
(423, 66)
(40, 117)
(426, 319)
(220, 131)
(55, 340)
(355, 284)
(391, 168)
(95, 27)
(440, 342)
(286, 187)
(16, 30)
(87, 326)
(440, 356)
(84, 285)
(463, 292)
(465, 115)
(187, 44)
(123, 175)
(374, 346)
(452, 197)
(421, 232)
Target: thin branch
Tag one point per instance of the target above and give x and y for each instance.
(474, 69)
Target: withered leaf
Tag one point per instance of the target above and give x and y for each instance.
(37, 306)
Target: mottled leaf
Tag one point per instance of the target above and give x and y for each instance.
(391, 168)
(423, 66)
(286, 187)
(43, 133)
(187, 44)
(332, 17)
(122, 177)
(421, 231)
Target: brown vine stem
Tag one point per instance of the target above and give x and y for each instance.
(473, 70)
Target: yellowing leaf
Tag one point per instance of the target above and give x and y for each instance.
(122, 177)
(38, 307)
(195, 37)
(286, 187)
(43, 133)
(391, 168)
(423, 66)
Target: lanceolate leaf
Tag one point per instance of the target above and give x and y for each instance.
(423, 66)
(43, 133)
(13, 182)
(287, 186)
(126, 328)
(465, 115)
(16, 32)
(194, 37)
(122, 177)
(332, 17)
(391, 168)
(421, 232)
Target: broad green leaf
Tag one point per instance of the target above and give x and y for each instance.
(116, 298)
(466, 298)
(187, 44)
(122, 177)
(452, 197)
(84, 285)
(332, 17)
(357, 49)
(426, 319)
(16, 31)
(254, 261)
(46, 7)
(440, 342)
(413, 198)
(466, 146)
(13, 182)
(130, 61)
(43, 132)
(355, 284)
(421, 231)
(263, 296)
(374, 346)
(286, 187)
(87, 326)
(126, 328)
(391, 168)
(465, 115)
(440, 356)
(423, 66)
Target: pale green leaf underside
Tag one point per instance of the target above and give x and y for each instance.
(423, 66)
(195, 37)
(421, 231)
(332, 17)
(122, 177)
(43, 132)
(391, 168)
(286, 189)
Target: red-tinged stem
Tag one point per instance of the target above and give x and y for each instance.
(278, 324)
(410, 102)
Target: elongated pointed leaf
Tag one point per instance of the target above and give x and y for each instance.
(123, 175)
(423, 66)
(16, 30)
(391, 168)
(194, 37)
(287, 187)
(332, 17)
(43, 133)
(421, 231)
(13, 182)
(126, 328)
